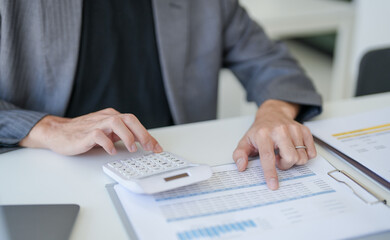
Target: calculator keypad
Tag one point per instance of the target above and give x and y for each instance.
(146, 165)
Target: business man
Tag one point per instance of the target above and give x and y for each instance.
(77, 74)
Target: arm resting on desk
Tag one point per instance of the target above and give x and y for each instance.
(275, 81)
(15, 123)
(72, 136)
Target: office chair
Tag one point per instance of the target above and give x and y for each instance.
(374, 72)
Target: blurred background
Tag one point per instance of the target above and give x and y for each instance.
(330, 39)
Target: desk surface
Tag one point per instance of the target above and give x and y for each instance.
(34, 176)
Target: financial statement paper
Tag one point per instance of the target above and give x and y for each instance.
(238, 205)
(364, 137)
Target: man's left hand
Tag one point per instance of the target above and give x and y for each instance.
(275, 135)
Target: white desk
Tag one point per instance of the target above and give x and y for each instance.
(31, 176)
(287, 18)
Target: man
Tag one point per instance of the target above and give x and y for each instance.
(82, 73)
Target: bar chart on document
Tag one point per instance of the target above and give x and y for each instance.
(238, 205)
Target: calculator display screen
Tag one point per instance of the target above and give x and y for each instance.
(176, 177)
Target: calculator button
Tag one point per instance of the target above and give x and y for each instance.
(115, 164)
(142, 166)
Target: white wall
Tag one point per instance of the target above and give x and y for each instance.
(372, 29)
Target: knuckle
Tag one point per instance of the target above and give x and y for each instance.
(96, 133)
(129, 117)
(305, 130)
(283, 166)
(263, 132)
(295, 127)
(110, 110)
(288, 162)
(312, 154)
(294, 158)
(281, 129)
(291, 159)
(145, 138)
(115, 119)
(301, 162)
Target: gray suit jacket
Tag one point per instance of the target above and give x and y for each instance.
(39, 46)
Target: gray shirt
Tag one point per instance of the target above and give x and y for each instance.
(40, 41)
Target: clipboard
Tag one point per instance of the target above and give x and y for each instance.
(133, 236)
(355, 163)
(121, 211)
(360, 143)
(356, 172)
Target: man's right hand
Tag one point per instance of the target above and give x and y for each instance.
(78, 135)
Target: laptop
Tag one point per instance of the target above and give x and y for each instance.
(37, 222)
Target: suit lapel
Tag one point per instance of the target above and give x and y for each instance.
(61, 42)
(171, 26)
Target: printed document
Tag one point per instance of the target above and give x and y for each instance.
(238, 205)
(364, 137)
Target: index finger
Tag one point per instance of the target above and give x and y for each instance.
(267, 159)
(147, 141)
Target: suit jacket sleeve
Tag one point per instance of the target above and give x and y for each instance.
(15, 123)
(265, 68)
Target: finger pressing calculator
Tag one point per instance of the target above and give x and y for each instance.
(156, 172)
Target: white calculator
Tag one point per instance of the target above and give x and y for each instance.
(156, 172)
